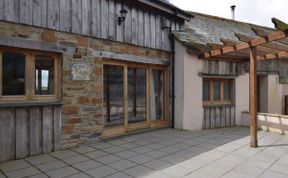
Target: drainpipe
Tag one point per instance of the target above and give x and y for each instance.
(173, 71)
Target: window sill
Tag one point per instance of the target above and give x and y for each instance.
(31, 104)
(217, 104)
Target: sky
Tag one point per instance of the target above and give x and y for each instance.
(258, 12)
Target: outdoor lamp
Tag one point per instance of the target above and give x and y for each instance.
(122, 18)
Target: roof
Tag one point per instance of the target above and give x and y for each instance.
(166, 6)
(204, 30)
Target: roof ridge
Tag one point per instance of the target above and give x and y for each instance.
(228, 20)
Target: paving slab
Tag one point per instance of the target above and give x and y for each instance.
(158, 164)
(108, 159)
(50, 166)
(25, 172)
(122, 165)
(140, 159)
(75, 159)
(35, 160)
(139, 171)
(14, 165)
(101, 172)
(119, 175)
(62, 172)
(86, 165)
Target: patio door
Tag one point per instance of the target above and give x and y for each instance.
(134, 97)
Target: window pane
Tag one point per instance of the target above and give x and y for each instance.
(157, 95)
(216, 87)
(113, 95)
(136, 95)
(44, 75)
(227, 90)
(206, 90)
(13, 66)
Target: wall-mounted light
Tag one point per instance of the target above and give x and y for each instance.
(123, 13)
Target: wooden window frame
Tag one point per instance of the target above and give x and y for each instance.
(211, 100)
(30, 96)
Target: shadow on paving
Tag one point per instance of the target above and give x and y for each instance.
(134, 155)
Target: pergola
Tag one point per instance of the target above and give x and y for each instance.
(265, 46)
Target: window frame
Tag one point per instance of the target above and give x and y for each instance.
(30, 95)
(222, 101)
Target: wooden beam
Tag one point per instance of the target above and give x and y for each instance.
(267, 43)
(253, 97)
(262, 33)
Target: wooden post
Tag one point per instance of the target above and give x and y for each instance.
(253, 97)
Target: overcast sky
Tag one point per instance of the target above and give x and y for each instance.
(254, 11)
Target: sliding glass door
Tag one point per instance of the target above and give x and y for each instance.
(137, 104)
(134, 96)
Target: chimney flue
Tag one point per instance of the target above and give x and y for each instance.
(233, 12)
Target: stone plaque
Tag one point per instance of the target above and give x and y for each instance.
(81, 71)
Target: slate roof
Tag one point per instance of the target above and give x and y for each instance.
(204, 29)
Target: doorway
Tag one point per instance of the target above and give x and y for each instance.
(135, 97)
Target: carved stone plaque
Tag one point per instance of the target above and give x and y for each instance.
(81, 71)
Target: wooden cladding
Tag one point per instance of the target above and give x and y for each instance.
(218, 116)
(28, 131)
(96, 18)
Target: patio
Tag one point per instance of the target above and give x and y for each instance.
(164, 153)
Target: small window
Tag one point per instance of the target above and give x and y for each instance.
(206, 90)
(28, 76)
(44, 75)
(13, 75)
(219, 93)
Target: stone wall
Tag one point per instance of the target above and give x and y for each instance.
(82, 85)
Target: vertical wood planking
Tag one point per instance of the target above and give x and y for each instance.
(96, 18)
(119, 28)
(232, 116)
(26, 11)
(135, 25)
(223, 122)
(1, 9)
(207, 119)
(153, 31)
(127, 25)
(65, 15)
(7, 135)
(76, 16)
(9, 13)
(37, 13)
(112, 20)
(104, 19)
(35, 131)
(44, 13)
(147, 30)
(212, 117)
(47, 129)
(158, 30)
(218, 117)
(22, 133)
(86, 17)
(140, 28)
(53, 11)
(57, 128)
(228, 116)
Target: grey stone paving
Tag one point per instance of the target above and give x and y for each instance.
(164, 153)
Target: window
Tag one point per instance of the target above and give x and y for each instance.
(157, 94)
(28, 76)
(217, 91)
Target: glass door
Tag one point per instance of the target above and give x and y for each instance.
(113, 104)
(157, 96)
(137, 94)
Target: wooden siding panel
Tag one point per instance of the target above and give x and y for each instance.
(147, 30)
(11, 10)
(141, 28)
(127, 25)
(7, 135)
(153, 31)
(96, 18)
(22, 133)
(104, 18)
(53, 11)
(47, 129)
(158, 30)
(76, 16)
(1, 9)
(44, 13)
(218, 116)
(119, 28)
(86, 17)
(57, 128)
(222, 117)
(37, 13)
(26, 11)
(35, 131)
(135, 25)
(112, 20)
(65, 15)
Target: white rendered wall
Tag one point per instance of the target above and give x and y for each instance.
(188, 90)
(242, 96)
(275, 95)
